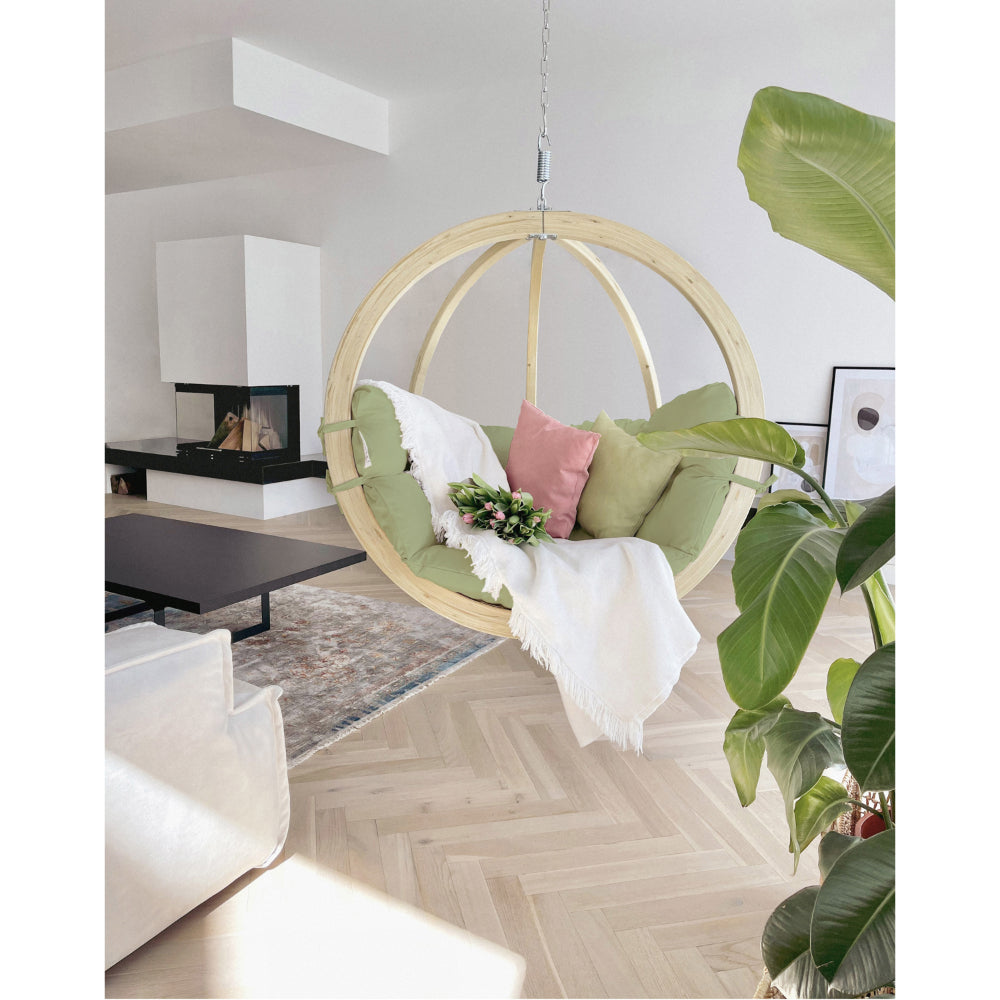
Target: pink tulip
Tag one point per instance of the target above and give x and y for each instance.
(468, 518)
(516, 495)
(488, 506)
(501, 516)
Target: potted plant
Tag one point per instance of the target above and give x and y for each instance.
(825, 174)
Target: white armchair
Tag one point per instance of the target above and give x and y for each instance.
(196, 781)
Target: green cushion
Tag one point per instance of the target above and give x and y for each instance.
(402, 511)
(452, 569)
(397, 501)
(625, 480)
(711, 402)
(683, 518)
(500, 438)
(378, 449)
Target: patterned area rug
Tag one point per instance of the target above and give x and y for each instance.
(341, 660)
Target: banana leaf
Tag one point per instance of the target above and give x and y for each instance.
(743, 746)
(852, 932)
(800, 747)
(782, 577)
(869, 543)
(785, 947)
(825, 175)
(818, 808)
(838, 683)
(869, 730)
(831, 846)
(745, 437)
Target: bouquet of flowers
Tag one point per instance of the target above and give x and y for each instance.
(509, 514)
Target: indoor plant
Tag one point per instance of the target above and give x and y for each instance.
(825, 174)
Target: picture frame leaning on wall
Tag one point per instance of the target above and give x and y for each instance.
(860, 460)
(813, 438)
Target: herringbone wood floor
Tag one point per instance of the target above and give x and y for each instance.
(614, 875)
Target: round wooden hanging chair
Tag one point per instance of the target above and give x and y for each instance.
(502, 234)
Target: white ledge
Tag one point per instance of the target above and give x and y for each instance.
(228, 108)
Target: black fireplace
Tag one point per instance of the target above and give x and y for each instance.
(247, 434)
(233, 423)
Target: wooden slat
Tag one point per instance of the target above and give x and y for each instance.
(451, 302)
(534, 306)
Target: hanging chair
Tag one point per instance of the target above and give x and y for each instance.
(502, 234)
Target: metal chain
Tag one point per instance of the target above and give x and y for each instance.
(544, 155)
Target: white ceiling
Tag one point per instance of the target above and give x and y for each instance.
(398, 47)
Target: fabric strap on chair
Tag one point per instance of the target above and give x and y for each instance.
(340, 425)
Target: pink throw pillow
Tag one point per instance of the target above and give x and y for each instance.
(550, 461)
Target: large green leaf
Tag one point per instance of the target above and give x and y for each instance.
(818, 808)
(853, 927)
(869, 730)
(745, 437)
(785, 947)
(831, 847)
(800, 747)
(825, 174)
(882, 609)
(743, 745)
(782, 577)
(870, 542)
(838, 682)
(802, 499)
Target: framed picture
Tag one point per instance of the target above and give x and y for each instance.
(812, 437)
(861, 445)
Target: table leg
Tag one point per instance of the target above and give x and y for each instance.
(265, 620)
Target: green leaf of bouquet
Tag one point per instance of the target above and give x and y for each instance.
(869, 728)
(782, 577)
(785, 947)
(746, 437)
(838, 683)
(743, 746)
(818, 808)
(800, 747)
(825, 175)
(831, 846)
(853, 926)
(870, 542)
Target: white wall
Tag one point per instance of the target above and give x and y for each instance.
(652, 145)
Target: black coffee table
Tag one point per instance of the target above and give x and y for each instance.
(201, 567)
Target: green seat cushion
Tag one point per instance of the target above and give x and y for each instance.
(683, 518)
(452, 569)
(402, 511)
(626, 479)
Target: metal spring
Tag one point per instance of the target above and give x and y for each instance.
(544, 161)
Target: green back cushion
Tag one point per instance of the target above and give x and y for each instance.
(683, 518)
(500, 438)
(625, 480)
(378, 449)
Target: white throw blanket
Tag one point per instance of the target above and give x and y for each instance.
(602, 615)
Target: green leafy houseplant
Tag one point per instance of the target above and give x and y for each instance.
(824, 173)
